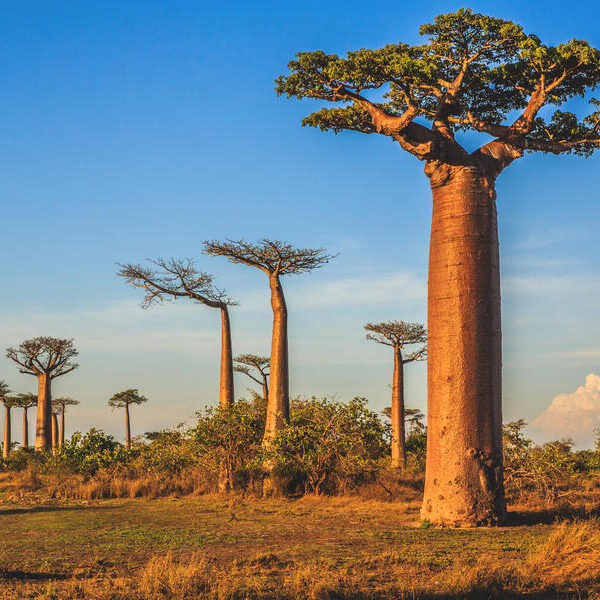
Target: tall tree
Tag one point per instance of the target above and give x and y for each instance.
(471, 74)
(173, 279)
(26, 401)
(397, 335)
(47, 358)
(260, 364)
(276, 259)
(124, 400)
(55, 412)
(61, 404)
(8, 404)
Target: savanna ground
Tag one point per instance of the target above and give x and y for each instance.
(211, 546)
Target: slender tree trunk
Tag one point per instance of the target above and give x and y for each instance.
(226, 389)
(43, 429)
(464, 483)
(398, 434)
(127, 428)
(54, 434)
(278, 404)
(62, 425)
(7, 432)
(265, 387)
(25, 429)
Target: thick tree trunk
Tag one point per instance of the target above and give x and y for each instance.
(226, 389)
(278, 404)
(398, 434)
(62, 425)
(54, 434)
(25, 429)
(7, 432)
(127, 428)
(43, 429)
(464, 483)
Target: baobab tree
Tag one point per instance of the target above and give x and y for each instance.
(275, 259)
(260, 364)
(55, 411)
(47, 358)
(397, 335)
(60, 404)
(173, 279)
(8, 404)
(26, 401)
(471, 74)
(124, 400)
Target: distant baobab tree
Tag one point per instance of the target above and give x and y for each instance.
(8, 404)
(260, 364)
(397, 335)
(55, 411)
(124, 400)
(47, 358)
(26, 401)
(60, 404)
(473, 73)
(275, 259)
(174, 279)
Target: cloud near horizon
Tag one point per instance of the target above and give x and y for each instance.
(573, 415)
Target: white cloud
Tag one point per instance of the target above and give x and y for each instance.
(573, 414)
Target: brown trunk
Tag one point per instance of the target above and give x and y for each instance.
(265, 387)
(398, 434)
(463, 483)
(7, 441)
(127, 428)
(43, 429)
(62, 425)
(278, 404)
(226, 389)
(54, 434)
(25, 429)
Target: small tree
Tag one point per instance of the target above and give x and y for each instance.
(260, 364)
(124, 400)
(398, 334)
(275, 259)
(26, 401)
(47, 358)
(8, 404)
(175, 279)
(55, 412)
(61, 404)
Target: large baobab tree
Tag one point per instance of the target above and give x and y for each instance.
(472, 74)
(275, 259)
(397, 335)
(260, 366)
(47, 358)
(8, 404)
(173, 279)
(26, 401)
(124, 400)
(60, 404)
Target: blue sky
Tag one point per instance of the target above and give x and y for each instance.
(133, 130)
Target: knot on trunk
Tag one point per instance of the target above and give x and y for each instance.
(489, 466)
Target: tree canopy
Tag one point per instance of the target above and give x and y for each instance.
(472, 73)
(4, 390)
(26, 400)
(44, 355)
(271, 256)
(64, 402)
(174, 279)
(398, 334)
(126, 398)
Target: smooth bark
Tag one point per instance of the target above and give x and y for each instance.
(398, 433)
(43, 430)
(25, 428)
(278, 403)
(226, 387)
(62, 425)
(7, 432)
(464, 438)
(54, 434)
(127, 428)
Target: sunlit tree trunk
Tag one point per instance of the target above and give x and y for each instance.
(62, 425)
(226, 388)
(278, 404)
(464, 438)
(398, 434)
(265, 387)
(43, 429)
(54, 434)
(7, 432)
(127, 428)
(25, 429)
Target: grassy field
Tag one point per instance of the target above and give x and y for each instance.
(211, 547)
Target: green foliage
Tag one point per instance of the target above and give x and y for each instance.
(125, 398)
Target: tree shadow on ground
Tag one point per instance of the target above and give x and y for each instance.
(33, 576)
(547, 516)
(53, 508)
